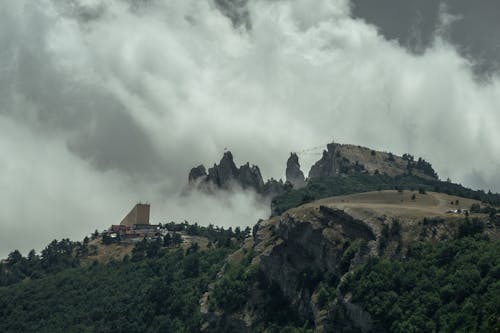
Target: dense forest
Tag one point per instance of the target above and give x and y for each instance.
(450, 287)
(157, 289)
(159, 294)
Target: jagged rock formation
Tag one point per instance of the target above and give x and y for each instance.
(341, 159)
(226, 175)
(293, 173)
(250, 177)
(337, 160)
(197, 173)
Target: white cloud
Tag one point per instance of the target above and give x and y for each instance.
(122, 100)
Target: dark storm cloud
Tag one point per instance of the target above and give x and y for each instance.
(475, 32)
(96, 124)
(106, 103)
(236, 10)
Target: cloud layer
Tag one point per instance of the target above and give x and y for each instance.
(105, 103)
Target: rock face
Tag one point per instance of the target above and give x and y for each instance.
(196, 173)
(250, 177)
(318, 245)
(226, 176)
(293, 173)
(315, 246)
(340, 159)
(287, 248)
(328, 165)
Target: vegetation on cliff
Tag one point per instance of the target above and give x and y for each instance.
(453, 286)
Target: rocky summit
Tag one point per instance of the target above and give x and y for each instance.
(294, 175)
(343, 159)
(226, 176)
(338, 160)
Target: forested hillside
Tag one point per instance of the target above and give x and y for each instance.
(153, 294)
(315, 268)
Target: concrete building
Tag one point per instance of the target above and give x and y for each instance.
(138, 215)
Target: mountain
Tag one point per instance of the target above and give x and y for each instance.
(343, 159)
(338, 160)
(308, 254)
(370, 242)
(227, 176)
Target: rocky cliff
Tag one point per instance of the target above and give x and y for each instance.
(307, 249)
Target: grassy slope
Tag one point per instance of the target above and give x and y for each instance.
(356, 183)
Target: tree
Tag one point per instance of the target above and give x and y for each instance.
(106, 239)
(470, 228)
(193, 248)
(14, 257)
(167, 240)
(475, 208)
(176, 239)
(153, 248)
(32, 255)
(139, 251)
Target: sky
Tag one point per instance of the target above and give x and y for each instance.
(107, 103)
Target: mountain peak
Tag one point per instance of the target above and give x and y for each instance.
(343, 159)
(293, 173)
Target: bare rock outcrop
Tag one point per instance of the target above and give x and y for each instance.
(343, 159)
(249, 177)
(332, 163)
(294, 175)
(226, 176)
(197, 173)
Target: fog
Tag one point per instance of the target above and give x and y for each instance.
(107, 103)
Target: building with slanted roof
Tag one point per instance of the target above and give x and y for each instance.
(138, 215)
